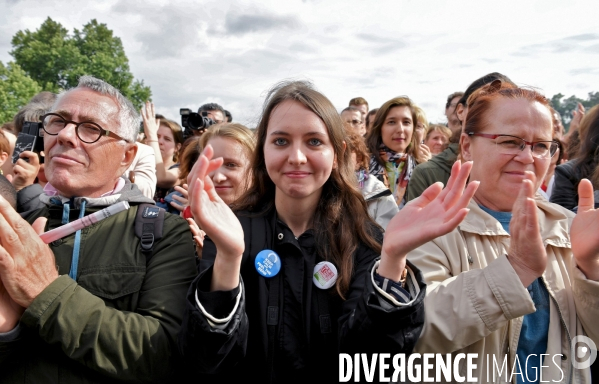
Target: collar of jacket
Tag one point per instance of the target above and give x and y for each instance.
(554, 222)
(129, 193)
(373, 187)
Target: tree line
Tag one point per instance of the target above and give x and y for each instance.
(52, 59)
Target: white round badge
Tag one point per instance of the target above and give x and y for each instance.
(325, 275)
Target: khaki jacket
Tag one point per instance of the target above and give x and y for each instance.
(475, 300)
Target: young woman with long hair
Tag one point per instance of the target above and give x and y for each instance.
(394, 146)
(300, 272)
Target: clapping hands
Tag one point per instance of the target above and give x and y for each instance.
(217, 220)
(435, 213)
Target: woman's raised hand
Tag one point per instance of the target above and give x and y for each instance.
(198, 236)
(216, 219)
(527, 253)
(435, 213)
(584, 230)
(425, 152)
(180, 202)
(151, 123)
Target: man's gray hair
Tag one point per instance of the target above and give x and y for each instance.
(128, 116)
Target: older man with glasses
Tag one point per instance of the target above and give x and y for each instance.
(99, 304)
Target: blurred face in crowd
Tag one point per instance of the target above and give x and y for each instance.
(558, 128)
(230, 178)
(166, 142)
(217, 116)
(420, 131)
(362, 107)
(371, 118)
(501, 175)
(436, 142)
(397, 129)
(453, 122)
(354, 119)
(7, 165)
(298, 152)
(76, 168)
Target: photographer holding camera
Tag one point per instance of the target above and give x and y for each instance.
(195, 124)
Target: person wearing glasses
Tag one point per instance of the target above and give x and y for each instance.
(353, 121)
(91, 306)
(518, 279)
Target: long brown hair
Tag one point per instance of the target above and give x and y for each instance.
(341, 220)
(196, 144)
(177, 134)
(587, 157)
(374, 139)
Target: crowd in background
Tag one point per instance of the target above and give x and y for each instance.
(519, 264)
(162, 164)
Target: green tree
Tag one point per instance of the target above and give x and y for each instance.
(565, 106)
(16, 89)
(56, 60)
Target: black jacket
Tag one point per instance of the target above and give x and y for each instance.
(28, 198)
(565, 187)
(306, 348)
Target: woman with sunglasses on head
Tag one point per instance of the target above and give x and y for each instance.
(519, 278)
(298, 273)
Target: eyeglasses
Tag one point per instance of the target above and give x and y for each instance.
(513, 145)
(87, 131)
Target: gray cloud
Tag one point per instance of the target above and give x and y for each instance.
(565, 45)
(243, 23)
(584, 37)
(167, 31)
(427, 105)
(303, 48)
(584, 71)
(380, 45)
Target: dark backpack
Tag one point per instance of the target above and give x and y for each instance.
(149, 222)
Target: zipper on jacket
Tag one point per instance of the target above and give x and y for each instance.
(561, 318)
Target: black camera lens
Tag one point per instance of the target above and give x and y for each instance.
(195, 121)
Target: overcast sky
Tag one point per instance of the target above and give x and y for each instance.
(231, 52)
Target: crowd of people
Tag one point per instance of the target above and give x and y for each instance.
(264, 253)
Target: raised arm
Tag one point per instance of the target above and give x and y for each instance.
(165, 178)
(436, 212)
(585, 249)
(218, 222)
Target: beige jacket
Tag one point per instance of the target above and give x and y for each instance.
(475, 301)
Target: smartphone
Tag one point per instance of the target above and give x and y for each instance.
(29, 139)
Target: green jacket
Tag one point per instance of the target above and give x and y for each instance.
(436, 169)
(120, 319)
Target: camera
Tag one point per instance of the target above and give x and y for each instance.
(195, 121)
(29, 139)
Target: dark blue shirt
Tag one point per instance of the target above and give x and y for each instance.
(535, 326)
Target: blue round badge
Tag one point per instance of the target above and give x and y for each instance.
(267, 263)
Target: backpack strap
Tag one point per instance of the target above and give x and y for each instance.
(149, 222)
